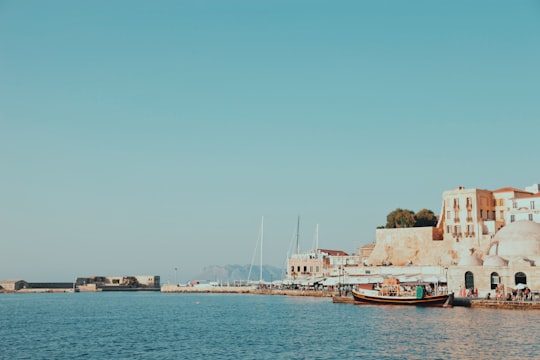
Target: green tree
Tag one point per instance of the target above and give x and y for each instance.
(400, 218)
(425, 217)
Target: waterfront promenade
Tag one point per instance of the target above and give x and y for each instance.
(172, 288)
(498, 304)
(468, 302)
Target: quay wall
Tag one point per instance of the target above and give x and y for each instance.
(171, 288)
(43, 290)
(467, 302)
(127, 288)
(497, 304)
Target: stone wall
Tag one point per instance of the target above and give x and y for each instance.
(411, 245)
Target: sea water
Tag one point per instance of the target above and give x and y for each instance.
(152, 325)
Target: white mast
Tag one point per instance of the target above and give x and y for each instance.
(317, 238)
(298, 236)
(262, 237)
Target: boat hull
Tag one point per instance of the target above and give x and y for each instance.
(439, 300)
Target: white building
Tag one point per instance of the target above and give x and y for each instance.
(524, 208)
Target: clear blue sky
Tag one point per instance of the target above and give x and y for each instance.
(139, 136)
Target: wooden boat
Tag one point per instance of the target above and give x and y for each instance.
(391, 293)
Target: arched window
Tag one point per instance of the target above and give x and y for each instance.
(469, 280)
(495, 280)
(520, 278)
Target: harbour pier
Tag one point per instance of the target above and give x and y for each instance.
(173, 288)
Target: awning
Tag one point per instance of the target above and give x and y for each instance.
(352, 280)
(304, 281)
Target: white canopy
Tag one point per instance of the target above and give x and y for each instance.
(352, 280)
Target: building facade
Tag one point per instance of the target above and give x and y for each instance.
(316, 263)
(512, 261)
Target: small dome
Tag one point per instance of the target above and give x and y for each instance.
(495, 260)
(520, 238)
(470, 260)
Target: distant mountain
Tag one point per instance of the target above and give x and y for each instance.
(231, 273)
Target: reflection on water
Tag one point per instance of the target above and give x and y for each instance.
(161, 326)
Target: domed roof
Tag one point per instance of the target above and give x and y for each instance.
(520, 238)
(495, 260)
(470, 260)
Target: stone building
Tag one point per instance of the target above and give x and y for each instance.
(13, 285)
(93, 283)
(524, 208)
(513, 258)
(313, 263)
(469, 219)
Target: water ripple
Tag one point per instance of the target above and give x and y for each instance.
(191, 326)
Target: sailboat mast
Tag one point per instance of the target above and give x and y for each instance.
(317, 238)
(262, 237)
(298, 236)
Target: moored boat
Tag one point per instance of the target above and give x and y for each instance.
(392, 293)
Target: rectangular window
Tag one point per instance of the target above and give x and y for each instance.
(448, 214)
(532, 205)
(448, 229)
(512, 218)
(298, 268)
(311, 269)
(530, 217)
(292, 269)
(481, 214)
(317, 269)
(514, 204)
(305, 269)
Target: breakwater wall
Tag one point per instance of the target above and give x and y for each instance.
(171, 288)
(42, 290)
(496, 304)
